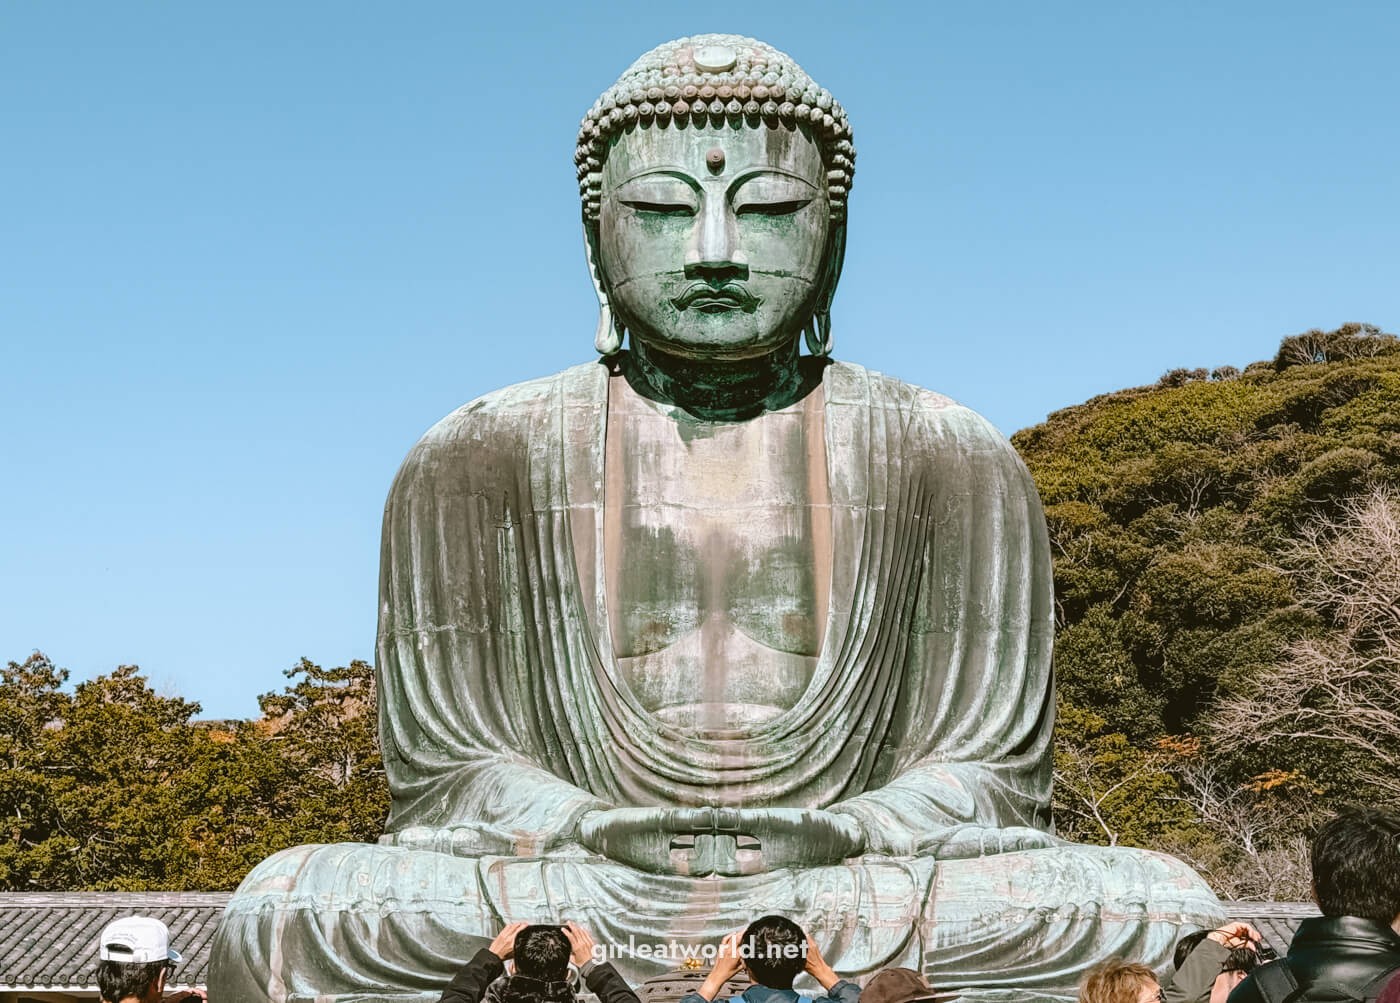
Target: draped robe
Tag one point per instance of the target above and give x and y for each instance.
(503, 721)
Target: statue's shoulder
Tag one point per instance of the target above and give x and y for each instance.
(511, 413)
(936, 413)
(487, 439)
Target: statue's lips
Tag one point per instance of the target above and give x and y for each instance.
(715, 299)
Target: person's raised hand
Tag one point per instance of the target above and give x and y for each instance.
(727, 962)
(580, 944)
(1233, 935)
(504, 944)
(818, 968)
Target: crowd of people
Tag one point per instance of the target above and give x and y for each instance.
(1349, 954)
(771, 952)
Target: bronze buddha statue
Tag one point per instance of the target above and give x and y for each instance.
(709, 627)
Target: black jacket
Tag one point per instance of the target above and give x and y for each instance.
(1342, 951)
(470, 984)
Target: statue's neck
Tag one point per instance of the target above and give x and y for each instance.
(714, 390)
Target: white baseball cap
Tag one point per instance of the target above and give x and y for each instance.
(136, 940)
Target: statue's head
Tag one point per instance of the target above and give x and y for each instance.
(714, 177)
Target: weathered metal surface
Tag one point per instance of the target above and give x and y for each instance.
(712, 629)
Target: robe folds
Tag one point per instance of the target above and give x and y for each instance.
(504, 720)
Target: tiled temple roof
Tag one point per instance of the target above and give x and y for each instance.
(49, 939)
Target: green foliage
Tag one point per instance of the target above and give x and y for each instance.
(1172, 512)
(327, 726)
(1169, 505)
(116, 787)
(1110, 790)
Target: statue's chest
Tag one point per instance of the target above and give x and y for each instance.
(717, 561)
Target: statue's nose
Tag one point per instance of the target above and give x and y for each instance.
(713, 251)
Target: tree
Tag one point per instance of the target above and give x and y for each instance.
(31, 703)
(1107, 790)
(1336, 690)
(1247, 838)
(1173, 510)
(326, 724)
(117, 787)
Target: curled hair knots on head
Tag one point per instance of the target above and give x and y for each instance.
(715, 79)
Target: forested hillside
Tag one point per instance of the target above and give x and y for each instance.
(1227, 571)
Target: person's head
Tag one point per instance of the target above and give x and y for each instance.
(1234, 970)
(542, 952)
(1356, 865)
(774, 950)
(134, 959)
(1117, 981)
(1186, 945)
(714, 176)
(897, 985)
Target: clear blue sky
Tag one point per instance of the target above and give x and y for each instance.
(250, 251)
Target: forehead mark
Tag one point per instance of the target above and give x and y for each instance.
(714, 160)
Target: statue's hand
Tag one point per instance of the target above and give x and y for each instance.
(703, 841)
(642, 837)
(771, 839)
(971, 840)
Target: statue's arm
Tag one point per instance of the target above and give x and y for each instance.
(473, 720)
(502, 808)
(973, 752)
(946, 810)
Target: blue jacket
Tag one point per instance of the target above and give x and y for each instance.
(842, 992)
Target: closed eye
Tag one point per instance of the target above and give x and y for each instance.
(783, 208)
(664, 208)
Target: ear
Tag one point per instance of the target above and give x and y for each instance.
(608, 337)
(835, 257)
(595, 267)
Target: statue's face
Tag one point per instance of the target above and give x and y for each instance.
(712, 240)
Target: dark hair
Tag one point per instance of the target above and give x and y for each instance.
(542, 952)
(1241, 959)
(1356, 865)
(117, 980)
(1186, 945)
(775, 950)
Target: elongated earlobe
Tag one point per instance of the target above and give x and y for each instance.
(608, 339)
(817, 334)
